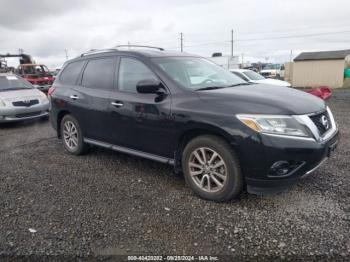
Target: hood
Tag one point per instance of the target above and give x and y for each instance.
(11, 95)
(274, 82)
(262, 99)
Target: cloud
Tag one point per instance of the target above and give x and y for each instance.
(45, 29)
(22, 15)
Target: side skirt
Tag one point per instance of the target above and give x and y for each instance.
(130, 151)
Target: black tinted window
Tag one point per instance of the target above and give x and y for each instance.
(99, 73)
(131, 72)
(71, 72)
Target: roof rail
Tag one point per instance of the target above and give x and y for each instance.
(142, 46)
(95, 51)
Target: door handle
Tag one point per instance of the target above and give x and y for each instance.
(117, 104)
(74, 97)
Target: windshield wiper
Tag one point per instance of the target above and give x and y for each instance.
(210, 88)
(220, 87)
(241, 84)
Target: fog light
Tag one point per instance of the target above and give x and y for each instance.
(284, 168)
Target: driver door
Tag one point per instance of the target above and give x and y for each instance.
(140, 121)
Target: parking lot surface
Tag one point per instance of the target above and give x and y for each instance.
(107, 203)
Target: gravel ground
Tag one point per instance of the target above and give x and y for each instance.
(106, 203)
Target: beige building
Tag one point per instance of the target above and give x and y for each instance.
(315, 69)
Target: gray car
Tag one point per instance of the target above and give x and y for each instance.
(19, 100)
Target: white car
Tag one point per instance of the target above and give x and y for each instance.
(19, 100)
(275, 71)
(253, 77)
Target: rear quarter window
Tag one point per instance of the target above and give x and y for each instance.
(70, 73)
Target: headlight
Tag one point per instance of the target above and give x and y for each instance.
(280, 125)
(2, 103)
(43, 98)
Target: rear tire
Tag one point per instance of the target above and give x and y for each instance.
(211, 168)
(72, 137)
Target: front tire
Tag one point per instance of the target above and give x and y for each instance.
(211, 168)
(72, 137)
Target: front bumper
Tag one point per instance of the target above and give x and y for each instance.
(309, 155)
(14, 114)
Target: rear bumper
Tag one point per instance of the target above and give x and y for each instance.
(309, 156)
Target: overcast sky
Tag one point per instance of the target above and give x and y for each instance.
(265, 30)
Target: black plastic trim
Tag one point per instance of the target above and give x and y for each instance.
(130, 151)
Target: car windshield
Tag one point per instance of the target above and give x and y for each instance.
(253, 75)
(35, 69)
(272, 67)
(197, 73)
(12, 82)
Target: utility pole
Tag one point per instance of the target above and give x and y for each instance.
(242, 60)
(66, 52)
(182, 41)
(128, 45)
(231, 43)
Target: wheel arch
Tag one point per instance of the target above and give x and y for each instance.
(190, 133)
(60, 116)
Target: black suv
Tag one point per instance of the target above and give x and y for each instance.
(220, 131)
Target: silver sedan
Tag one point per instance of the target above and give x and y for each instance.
(19, 100)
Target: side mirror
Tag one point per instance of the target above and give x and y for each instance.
(149, 86)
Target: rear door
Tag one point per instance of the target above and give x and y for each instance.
(68, 96)
(94, 92)
(140, 121)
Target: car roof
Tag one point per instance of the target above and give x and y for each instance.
(133, 52)
(157, 53)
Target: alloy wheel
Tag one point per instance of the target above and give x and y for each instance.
(207, 169)
(70, 135)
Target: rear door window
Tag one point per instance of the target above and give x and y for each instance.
(71, 72)
(99, 73)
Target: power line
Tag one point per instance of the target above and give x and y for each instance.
(290, 29)
(268, 38)
(303, 28)
(294, 36)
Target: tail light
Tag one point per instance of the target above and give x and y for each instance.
(50, 91)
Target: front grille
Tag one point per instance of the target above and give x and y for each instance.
(26, 103)
(322, 122)
(28, 114)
